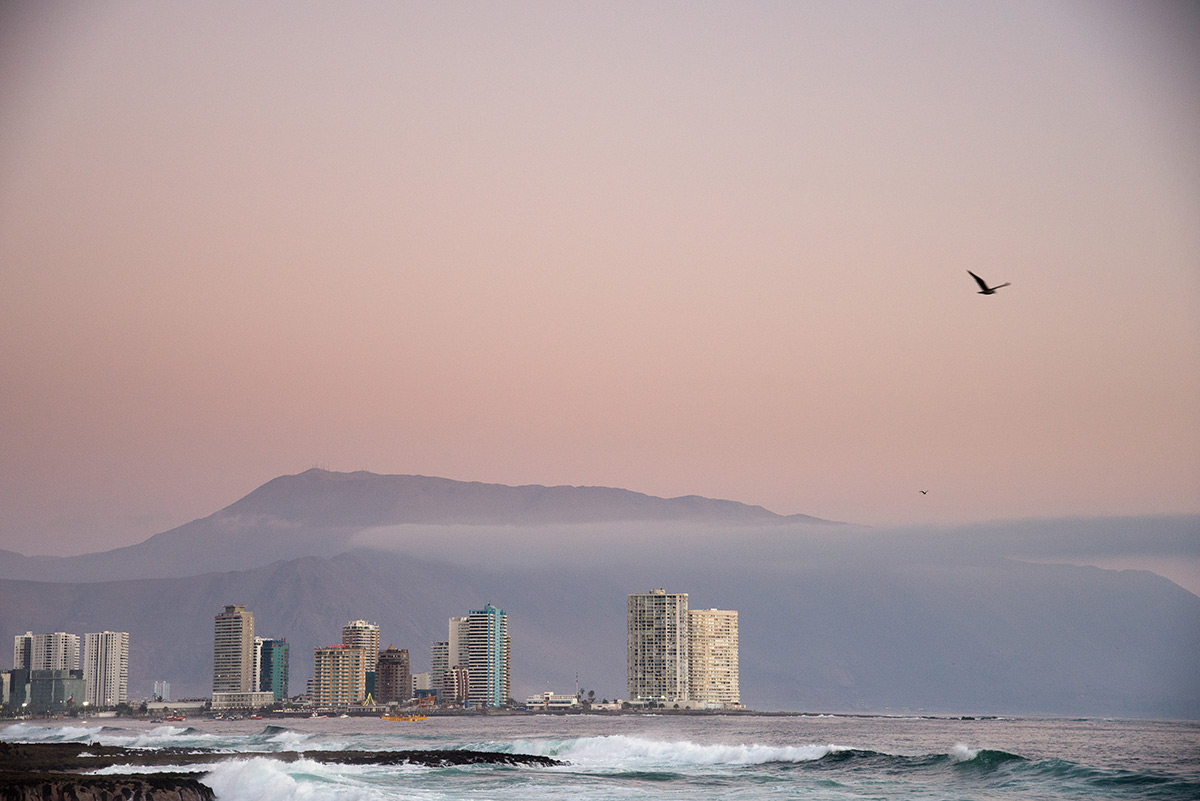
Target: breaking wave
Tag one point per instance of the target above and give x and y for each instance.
(621, 750)
(24, 733)
(125, 770)
(266, 779)
(282, 738)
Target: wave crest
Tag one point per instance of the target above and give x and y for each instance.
(266, 779)
(625, 751)
(25, 733)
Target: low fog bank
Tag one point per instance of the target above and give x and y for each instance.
(1169, 546)
(1169, 543)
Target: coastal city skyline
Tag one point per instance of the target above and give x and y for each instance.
(677, 657)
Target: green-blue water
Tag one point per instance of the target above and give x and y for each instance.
(647, 757)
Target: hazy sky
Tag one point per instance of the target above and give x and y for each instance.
(681, 248)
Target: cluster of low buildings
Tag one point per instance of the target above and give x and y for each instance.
(53, 673)
(678, 658)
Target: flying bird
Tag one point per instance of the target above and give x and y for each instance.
(984, 289)
(923, 492)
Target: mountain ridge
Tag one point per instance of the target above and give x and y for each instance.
(320, 512)
(386, 499)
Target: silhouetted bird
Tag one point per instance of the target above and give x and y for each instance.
(923, 492)
(984, 289)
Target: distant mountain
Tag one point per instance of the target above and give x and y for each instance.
(322, 498)
(320, 513)
(828, 634)
(18, 565)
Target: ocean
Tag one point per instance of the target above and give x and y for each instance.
(620, 758)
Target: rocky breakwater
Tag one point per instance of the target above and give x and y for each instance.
(48, 772)
(58, 771)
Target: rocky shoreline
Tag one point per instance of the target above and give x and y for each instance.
(54, 771)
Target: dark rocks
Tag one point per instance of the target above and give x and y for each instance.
(74, 787)
(51, 771)
(45, 772)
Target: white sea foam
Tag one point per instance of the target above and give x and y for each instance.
(166, 731)
(961, 753)
(289, 740)
(620, 751)
(165, 736)
(121, 770)
(174, 737)
(25, 733)
(267, 779)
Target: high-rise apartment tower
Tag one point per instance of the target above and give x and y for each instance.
(439, 663)
(233, 651)
(487, 657)
(681, 656)
(55, 651)
(23, 651)
(106, 668)
(713, 656)
(393, 678)
(364, 635)
(458, 647)
(658, 646)
(477, 651)
(339, 676)
(272, 664)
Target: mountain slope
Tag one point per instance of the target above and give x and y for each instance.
(325, 499)
(319, 513)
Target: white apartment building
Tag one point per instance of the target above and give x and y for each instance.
(256, 663)
(658, 646)
(458, 643)
(339, 676)
(56, 651)
(439, 663)
(106, 668)
(678, 656)
(364, 635)
(23, 651)
(713, 656)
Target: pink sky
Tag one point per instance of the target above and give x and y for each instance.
(714, 249)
